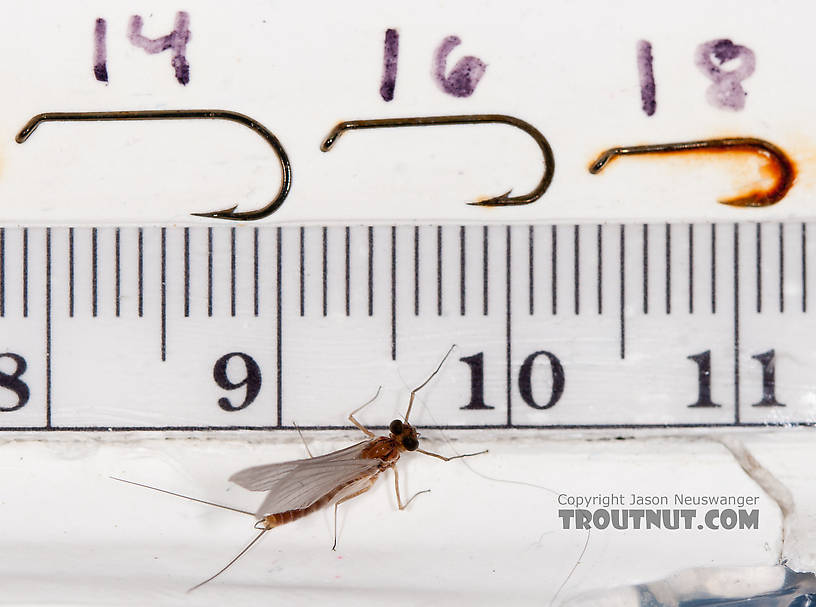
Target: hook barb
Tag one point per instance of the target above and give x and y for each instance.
(250, 123)
(500, 200)
(784, 170)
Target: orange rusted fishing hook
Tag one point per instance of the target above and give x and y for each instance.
(784, 170)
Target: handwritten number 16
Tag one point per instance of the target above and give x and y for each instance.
(459, 81)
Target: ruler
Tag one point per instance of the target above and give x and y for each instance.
(557, 326)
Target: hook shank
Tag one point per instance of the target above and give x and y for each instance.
(784, 173)
(257, 127)
(501, 200)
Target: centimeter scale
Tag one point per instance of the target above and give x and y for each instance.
(557, 326)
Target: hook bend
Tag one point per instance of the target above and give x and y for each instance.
(500, 200)
(250, 123)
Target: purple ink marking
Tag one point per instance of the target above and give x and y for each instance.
(645, 64)
(390, 55)
(100, 68)
(176, 40)
(465, 75)
(726, 91)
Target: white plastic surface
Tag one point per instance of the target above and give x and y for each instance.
(477, 538)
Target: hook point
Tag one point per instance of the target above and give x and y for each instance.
(228, 213)
(498, 201)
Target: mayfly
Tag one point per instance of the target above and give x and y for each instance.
(299, 487)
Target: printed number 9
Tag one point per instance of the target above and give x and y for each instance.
(252, 380)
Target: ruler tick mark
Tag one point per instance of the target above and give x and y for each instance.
(691, 267)
(462, 275)
(416, 270)
(94, 274)
(622, 291)
(209, 271)
(186, 272)
(781, 268)
(668, 269)
(348, 271)
(531, 267)
(279, 319)
(600, 269)
(302, 271)
(736, 326)
(804, 267)
(439, 270)
(577, 276)
(117, 263)
(164, 294)
(645, 268)
(759, 268)
(393, 293)
(509, 325)
(485, 255)
(232, 272)
(256, 271)
(554, 283)
(25, 272)
(371, 270)
(48, 327)
(71, 272)
(140, 271)
(713, 268)
(325, 271)
(2, 272)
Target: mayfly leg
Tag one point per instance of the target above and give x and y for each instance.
(425, 383)
(354, 421)
(300, 434)
(396, 488)
(447, 459)
(347, 498)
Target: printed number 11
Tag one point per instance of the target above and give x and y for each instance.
(766, 359)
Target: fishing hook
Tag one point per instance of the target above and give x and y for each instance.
(228, 213)
(501, 200)
(784, 169)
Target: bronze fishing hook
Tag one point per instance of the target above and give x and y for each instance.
(784, 172)
(228, 213)
(500, 200)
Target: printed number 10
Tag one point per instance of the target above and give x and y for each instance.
(525, 380)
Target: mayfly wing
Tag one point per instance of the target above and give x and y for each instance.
(264, 477)
(299, 484)
(308, 494)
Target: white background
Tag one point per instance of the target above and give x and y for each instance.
(71, 534)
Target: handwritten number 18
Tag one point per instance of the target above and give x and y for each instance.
(726, 90)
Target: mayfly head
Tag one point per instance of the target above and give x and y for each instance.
(405, 434)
